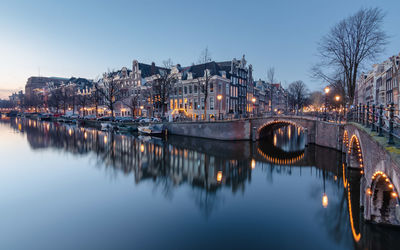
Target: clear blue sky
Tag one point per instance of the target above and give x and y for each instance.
(85, 38)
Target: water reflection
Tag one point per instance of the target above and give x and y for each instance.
(210, 168)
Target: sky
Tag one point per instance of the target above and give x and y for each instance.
(86, 38)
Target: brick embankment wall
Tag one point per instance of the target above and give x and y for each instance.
(224, 130)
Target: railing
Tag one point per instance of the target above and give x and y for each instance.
(378, 118)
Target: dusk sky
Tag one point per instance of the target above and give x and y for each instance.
(86, 38)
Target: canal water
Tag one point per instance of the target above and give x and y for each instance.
(67, 187)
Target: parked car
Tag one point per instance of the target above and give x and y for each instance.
(105, 118)
(144, 120)
(90, 117)
(155, 119)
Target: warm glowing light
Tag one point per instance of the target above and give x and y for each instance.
(356, 236)
(337, 98)
(335, 178)
(85, 135)
(275, 139)
(390, 186)
(105, 139)
(327, 89)
(253, 99)
(369, 192)
(70, 132)
(219, 97)
(142, 148)
(253, 163)
(141, 107)
(219, 176)
(325, 201)
(394, 195)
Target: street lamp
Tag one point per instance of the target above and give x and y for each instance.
(219, 98)
(337, 99)
(141, 110)
(327, 89)
(254, 101)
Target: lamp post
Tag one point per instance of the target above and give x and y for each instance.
(337, 99)
(327, 89)
(254, 101)
(141, 110)
(219, 97)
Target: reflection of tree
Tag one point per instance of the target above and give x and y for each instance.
(207, 201)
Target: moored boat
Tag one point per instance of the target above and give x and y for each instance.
(155, 129)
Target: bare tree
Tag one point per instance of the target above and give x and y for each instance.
(55, 99)
(349, 45)
(95, 97)
(162, 85)
(298, 92)
(109, 90)
(271, 79)
(204, 82)
(132, 102)
(83, 100)
(316, 99)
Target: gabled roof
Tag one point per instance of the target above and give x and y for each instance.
(214, 68)
(150, 70)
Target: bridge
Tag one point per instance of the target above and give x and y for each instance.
(363, 150)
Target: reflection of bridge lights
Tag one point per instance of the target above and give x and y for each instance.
(275, 139)
(105, 139)
(253, 163)
(219, 176)
(85, 135)
(289, 132)
(70, 132)
(141, 148)
(356, 236)
(280, 161)
(325, 200)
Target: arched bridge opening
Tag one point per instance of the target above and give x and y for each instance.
(267, 129)
(383, 200)
(354, 154)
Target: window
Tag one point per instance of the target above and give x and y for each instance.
(227, 89)
(190, 89)
(220, 88)
(172, 104)
(211, 87)
(195, 105)
(185, 90)
(195, 89)
(180, 90)
(202, 103)
(180, 103)
(190, 104)
(211, 103)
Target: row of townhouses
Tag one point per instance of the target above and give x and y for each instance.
(380, 85)
(223, 89)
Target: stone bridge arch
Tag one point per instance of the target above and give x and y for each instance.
(306, 125)
(355, 157)
(382, 203)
